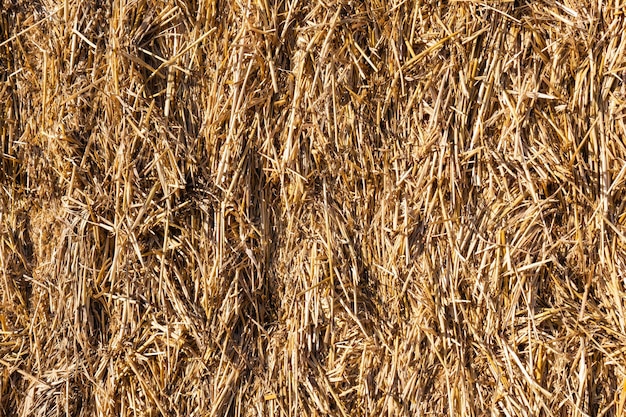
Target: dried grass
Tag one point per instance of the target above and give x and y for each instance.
(312, 208)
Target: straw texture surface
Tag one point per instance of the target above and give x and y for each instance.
(312, 208)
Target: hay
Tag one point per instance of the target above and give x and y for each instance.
(312, 208)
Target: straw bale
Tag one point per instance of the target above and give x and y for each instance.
(324, 208)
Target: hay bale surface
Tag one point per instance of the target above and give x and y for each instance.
(326, 208)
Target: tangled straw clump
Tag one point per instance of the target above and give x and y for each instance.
(312, 208)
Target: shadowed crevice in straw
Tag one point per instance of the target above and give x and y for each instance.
(312, 208)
